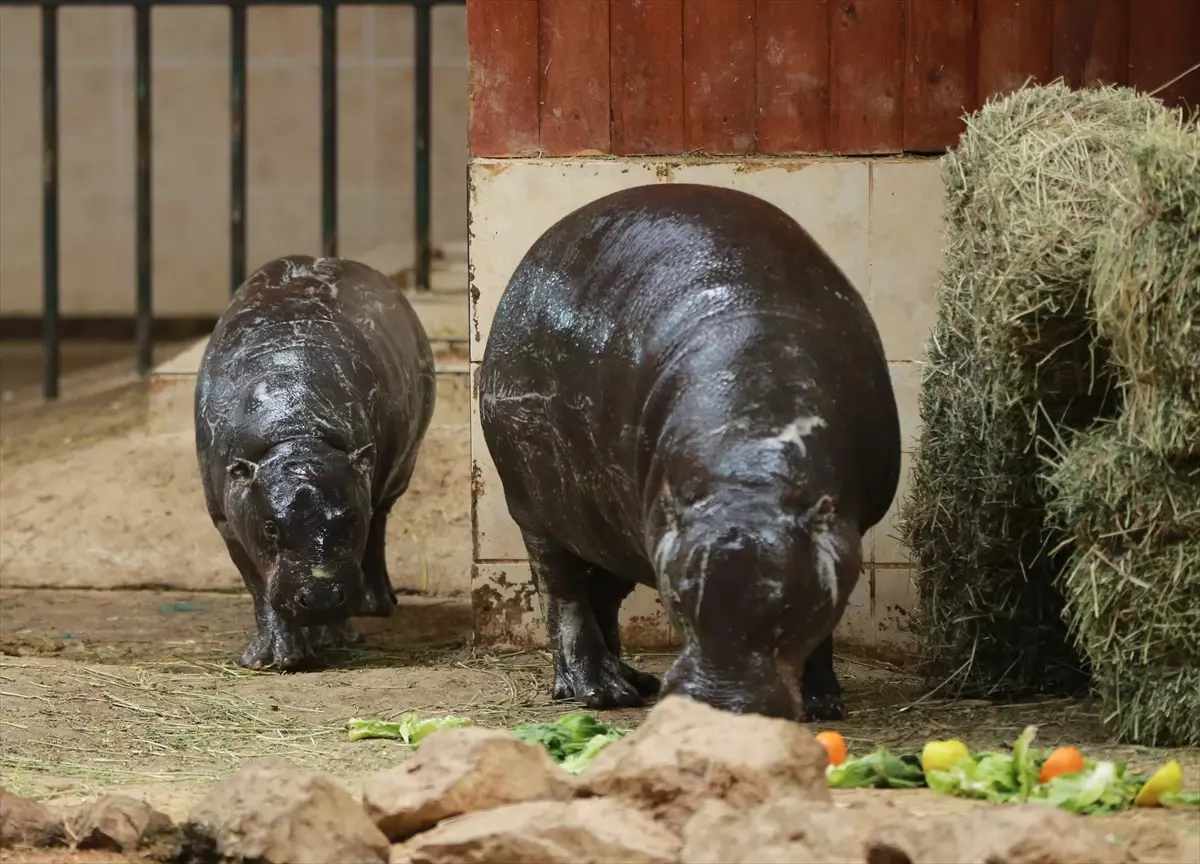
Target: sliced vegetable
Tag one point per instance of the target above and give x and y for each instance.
(943, 755)
(1167, 780)
(1064, 760)
(1099, 788)
(879, 770)
(410, 728)
(835, 746)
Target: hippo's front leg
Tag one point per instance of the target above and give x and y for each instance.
(584, 668)
(819, 686)
(276, 643)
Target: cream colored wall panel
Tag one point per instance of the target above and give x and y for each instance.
(907, 235)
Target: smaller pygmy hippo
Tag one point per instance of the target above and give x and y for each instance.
(314, 394)
(680, 389)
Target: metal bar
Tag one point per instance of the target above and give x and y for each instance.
(194, 3)
(421, 133)
(145, 307)
(237, 145)
(50, 337)
(329, 130)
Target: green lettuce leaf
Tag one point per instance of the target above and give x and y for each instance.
(1101, 787)
(1182, 798)
(572, 740)
(879, 770)
(410, 728)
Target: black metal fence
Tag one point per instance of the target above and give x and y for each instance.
(237, 151)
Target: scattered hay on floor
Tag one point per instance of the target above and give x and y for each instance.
(1013, 360)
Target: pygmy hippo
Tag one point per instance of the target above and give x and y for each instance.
(314, 394)
(680, 389)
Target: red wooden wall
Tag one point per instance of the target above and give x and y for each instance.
(625, 77)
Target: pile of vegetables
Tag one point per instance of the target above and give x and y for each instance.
(572, 740)
(1062, 777)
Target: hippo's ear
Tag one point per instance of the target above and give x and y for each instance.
(363, 459)
(242, 471)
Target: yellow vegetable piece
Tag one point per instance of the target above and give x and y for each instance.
(1168, 778)
(943, 755)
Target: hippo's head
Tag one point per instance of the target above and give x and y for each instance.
(756, 581)
(303, 513)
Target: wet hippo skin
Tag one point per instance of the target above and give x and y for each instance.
(680, 389)
(314, 394)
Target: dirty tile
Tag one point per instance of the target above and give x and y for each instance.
(20, 133)
(357, 125)
(87, 150)
(191, 251)
(20, 38)
(284, 33)
(497, 537)
(907, 233)
(888, 547)
(283, 129)
(181, 36)
(20, 251)
(190, 115)
(86, 36)
(97, 270)
(830, 199)
(879, 612)
(906, 386)
(855, 625)
(281, 221)
(508, 613)
(512, 203)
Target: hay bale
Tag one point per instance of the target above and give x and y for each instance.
(1147, 288)
(1137, 617)
(1013, 361)
(1109, 493)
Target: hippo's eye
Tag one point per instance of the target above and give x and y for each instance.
(271, 530)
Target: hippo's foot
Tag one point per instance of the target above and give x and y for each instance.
(380, 599)
(603, 683)
(336, 635)
(823, 709)
(287, 649)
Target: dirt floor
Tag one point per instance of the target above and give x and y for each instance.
(136, 690)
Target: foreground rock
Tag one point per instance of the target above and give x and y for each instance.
(27, 823)
(1026, 834)
(460, 771)
(272, 812)
(687, 752)
(790, 831)
(118, 823)
(545, 832)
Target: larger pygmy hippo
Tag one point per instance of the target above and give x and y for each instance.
(316, 389)
(680, 389)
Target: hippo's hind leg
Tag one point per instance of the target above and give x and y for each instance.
(608, 592)
(819, 687)
(381, 596)
(276, 643)
(584, 667)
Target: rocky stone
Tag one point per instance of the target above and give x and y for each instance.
(118, 823)
(687, 752)
(460, 771)
(1025, 834)
(545, 832)
(27, 823)
(788, 831)
(272, 812)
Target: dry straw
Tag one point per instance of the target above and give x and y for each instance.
(1021, 360)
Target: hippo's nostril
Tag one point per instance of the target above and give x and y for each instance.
(338, 594)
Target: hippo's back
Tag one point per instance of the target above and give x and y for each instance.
(648, 308)
(321, 347)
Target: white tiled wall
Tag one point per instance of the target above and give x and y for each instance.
(879, 219)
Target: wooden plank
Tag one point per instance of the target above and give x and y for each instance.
(1016, 42)
(502, 47)
(939, 75)
(1164, 43)
(793, 76)
(866, 88)
(646, 50)
(575, 89)
(1091, 41)
(719, 76)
